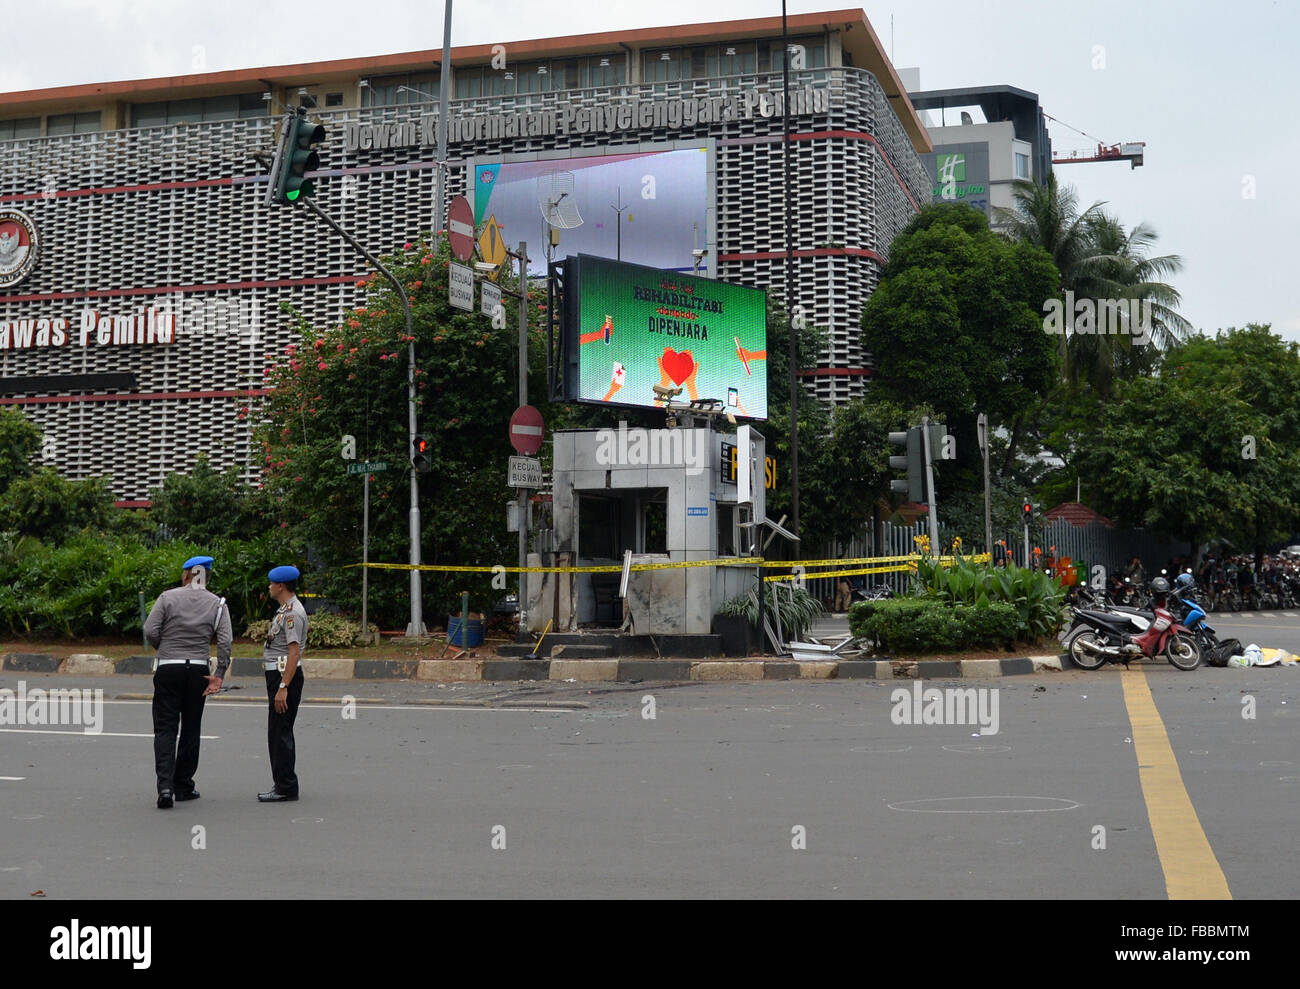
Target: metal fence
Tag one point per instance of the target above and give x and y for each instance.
(1092, 545)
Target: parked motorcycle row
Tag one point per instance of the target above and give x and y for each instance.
(1233, 584)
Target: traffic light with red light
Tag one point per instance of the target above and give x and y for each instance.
(420, 454)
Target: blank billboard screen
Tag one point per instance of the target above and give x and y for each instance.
(663, 196)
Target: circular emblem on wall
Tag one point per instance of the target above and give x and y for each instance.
(19, 246)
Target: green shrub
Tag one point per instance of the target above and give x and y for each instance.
(1038, 599)
(991, 626)
(323, 631)
(796, 606)
(91, 583)
(912, 625)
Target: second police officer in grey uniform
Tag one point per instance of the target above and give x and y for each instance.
(282, 662)
(180, 625)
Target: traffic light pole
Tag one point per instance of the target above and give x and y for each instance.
(929, 484)
(416, 627)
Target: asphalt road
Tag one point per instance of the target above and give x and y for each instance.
(1273, 629)
(704, 800)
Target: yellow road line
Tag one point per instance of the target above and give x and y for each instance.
(1191, 870)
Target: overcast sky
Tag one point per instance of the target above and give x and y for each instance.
(1193, 80)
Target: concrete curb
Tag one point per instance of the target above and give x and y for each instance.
(562, 669)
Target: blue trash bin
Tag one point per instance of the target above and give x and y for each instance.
(473, 632)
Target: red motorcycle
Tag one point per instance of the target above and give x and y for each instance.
(1099, 637)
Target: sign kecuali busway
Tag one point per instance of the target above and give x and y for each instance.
(525, 472)
(460, 286)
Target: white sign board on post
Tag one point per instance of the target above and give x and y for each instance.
(460, 288)
(490, 298)
(525, 472)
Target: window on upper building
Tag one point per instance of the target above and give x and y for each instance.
(666, 65)
(333, 99)
(814, 53)
(731, 60)
(397, 90)
(604, 70)
(72, 123)
(21, 129)
(1022, 166)
(195, 111)
(254, 105)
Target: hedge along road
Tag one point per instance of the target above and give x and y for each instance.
(711, 797)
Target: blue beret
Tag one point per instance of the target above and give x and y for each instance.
(282, 575)
(198, 561)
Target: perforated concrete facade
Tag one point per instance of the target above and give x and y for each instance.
(173, 217)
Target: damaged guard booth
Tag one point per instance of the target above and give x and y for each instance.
(669, 496)
(634, 336)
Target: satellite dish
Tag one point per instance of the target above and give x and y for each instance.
(558, 204)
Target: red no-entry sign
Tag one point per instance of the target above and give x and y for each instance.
(526, 430)
(460, 228)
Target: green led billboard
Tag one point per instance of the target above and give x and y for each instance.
(631, 327)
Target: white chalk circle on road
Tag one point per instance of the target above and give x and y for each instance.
(881, 749)
(985, 805)
(977, 748)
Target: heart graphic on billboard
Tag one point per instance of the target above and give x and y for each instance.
(678, 366)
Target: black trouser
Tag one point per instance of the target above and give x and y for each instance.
(177, 699)
(279, 732)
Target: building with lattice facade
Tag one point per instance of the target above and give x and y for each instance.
(154, 271)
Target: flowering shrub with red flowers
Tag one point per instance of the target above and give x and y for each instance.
(356, 385)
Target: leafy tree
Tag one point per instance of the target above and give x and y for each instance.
(1259, 369)
(51, 508)
(814, 424)
(206, 504)
(1173, 452)
(956, 324)
(351, 379)
(20, 442)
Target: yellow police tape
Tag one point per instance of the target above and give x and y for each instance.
(601, 568)
(945, 561)
(728, 561)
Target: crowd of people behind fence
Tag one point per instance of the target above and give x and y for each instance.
(1223, 581)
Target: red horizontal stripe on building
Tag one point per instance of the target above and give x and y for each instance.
(132, 504)
(811, 252)
(163, 290)
(836, 372)
(149, 396)
(105, 190)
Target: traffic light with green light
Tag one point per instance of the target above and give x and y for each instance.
(294, 158)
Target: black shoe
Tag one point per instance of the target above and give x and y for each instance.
(187, 795)
(164, 799)
(275, 797)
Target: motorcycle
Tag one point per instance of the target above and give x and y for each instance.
(1126, 594)
(1098, 637)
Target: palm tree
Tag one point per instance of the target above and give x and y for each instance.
(1098, 260)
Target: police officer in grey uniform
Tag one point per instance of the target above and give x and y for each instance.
(181, 624)
(282, 661)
